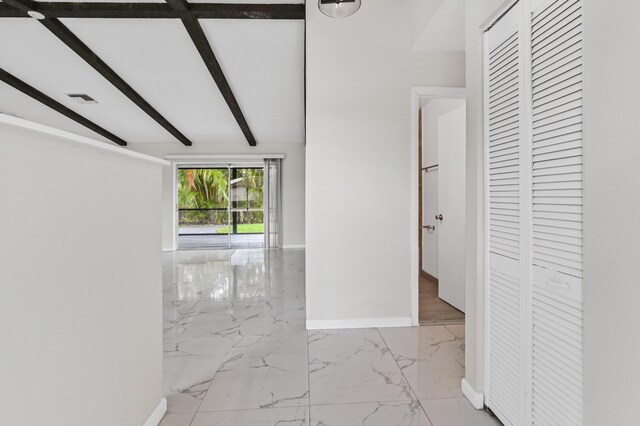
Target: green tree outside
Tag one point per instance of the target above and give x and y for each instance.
(209, 189)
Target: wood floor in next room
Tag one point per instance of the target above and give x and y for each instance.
(237, 353)
(432, 309)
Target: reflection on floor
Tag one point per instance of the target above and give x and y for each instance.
(222, 241)
(432, 309)
(237, 353)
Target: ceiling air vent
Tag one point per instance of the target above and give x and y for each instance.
(82, 98)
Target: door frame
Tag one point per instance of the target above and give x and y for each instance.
(418, 95)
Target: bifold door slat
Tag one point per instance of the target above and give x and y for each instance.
(556, 65)
(504, 84)
(558, 153)
(555, 364)
(541, 148)
(503, 93)
(562, 57)
(559, 103)
(560, 74)
(561, 14)
(500, 48)
(555, 95)
(553, 26)
(564, 37)
(541, 241)
(551, 8)
(556, 116)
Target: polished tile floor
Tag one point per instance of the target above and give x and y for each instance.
(237, 353)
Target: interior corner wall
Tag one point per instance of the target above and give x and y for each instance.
(360, 71)
(421, 13)
(80, 283)
(293, 187)
(476, 12)
(611, 293)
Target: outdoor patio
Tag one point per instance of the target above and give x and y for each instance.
(220, 241)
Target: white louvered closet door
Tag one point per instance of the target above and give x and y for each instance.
(556, 109)
(503, 167)
(533, 165)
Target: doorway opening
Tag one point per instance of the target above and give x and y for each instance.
(221, 207)
(441, 136)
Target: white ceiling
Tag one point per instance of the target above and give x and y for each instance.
(158, 59)
(263, 61)
(438, 25)
(267, 77)
(15, 103)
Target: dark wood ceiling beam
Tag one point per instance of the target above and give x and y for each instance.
(203, 46)
(284, 11)
(28, 90)
(22, 5)
(74, 43)
(7, 11)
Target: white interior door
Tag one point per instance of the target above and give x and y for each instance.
(451, 205)
(430, 230)
(556, 210)
(430, 113)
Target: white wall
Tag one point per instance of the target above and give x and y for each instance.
(439, 25)
(611, 291)
(421, 13)
(360, 71)
(476, 12)
(80, 284)
(293, 177)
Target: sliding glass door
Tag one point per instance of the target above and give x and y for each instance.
(221, 207)
(203, 207)
(229, 206)
(246, 207)
(272, 203)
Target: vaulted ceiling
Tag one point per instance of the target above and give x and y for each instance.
(183, 72)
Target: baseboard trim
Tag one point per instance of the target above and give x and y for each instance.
(475, 398)
(158, 413)
(293, 246)
(359, 323)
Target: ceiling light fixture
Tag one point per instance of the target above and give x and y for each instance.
(36, 15)
(339, 8)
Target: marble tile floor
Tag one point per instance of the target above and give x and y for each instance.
(237, 353)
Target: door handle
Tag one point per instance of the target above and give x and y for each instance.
(439, 217)
(430, 227)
